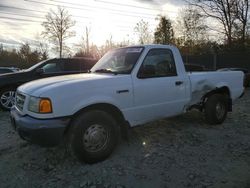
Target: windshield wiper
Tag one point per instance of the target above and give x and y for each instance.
(105, 71)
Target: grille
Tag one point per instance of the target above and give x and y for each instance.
(20, 99)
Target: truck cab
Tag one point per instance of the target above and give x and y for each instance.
(127, 87)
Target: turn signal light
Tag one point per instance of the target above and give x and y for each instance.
(45, 106)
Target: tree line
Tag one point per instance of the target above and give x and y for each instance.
(22, 58)
(203, 26)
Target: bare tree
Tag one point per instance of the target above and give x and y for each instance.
(42, 46)
(221, 10)
(191, 26)
(25, 52)
(242, 13)
(43, 49)
(83, 48)
(143, 32)
(58, 28)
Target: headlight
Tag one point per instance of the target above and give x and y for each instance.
(40, 105)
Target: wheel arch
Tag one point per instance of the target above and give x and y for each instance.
(219, 90)
(106, 107)
(9, 86)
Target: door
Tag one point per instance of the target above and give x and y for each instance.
(57, 67)
(158, 90)
(72, 66)
(52, 67)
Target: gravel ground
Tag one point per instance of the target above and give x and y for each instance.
(178, 152)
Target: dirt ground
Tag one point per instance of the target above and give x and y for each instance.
(170, 153)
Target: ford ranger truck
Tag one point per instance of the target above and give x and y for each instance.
(127, 87)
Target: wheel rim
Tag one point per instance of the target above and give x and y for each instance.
(95, 138)
(8, 99)
(220, 110)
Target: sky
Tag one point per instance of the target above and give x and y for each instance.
(21, 19)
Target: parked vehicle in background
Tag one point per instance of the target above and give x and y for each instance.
(246, 74)
(47, 68)
(4, 70)
(127, 87)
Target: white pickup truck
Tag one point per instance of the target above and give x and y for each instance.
(127, 87)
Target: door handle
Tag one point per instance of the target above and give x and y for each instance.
(177, 83)
(122, 91)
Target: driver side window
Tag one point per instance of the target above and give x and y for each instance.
(158, 63)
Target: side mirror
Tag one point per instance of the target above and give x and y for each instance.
(146, 71)
(39, 71)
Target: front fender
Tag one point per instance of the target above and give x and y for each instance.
(95, 100)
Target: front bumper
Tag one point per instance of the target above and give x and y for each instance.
(44, 132)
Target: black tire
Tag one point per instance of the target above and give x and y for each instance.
(83, 135)
(7, 98)
(216, 108)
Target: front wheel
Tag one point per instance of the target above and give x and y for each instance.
(7, 98)
(93, 136)
(216, 108)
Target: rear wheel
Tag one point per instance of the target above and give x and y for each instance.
(216, 108)
(7, 98)
(93, 136)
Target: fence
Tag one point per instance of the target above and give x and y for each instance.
(220, 60)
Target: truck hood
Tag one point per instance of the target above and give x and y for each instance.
(41, 86)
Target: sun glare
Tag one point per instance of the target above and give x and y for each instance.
(105, 19)
(102, 27)
(112, 21)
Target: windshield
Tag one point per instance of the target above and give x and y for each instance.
(118, 61)
(35, 66)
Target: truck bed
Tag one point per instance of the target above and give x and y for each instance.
(203, 82)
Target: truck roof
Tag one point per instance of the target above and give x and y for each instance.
(152, 45)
